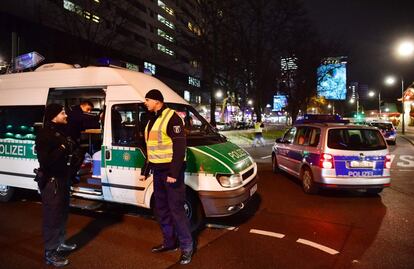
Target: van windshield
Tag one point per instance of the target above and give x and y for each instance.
(356, 139)
(197, 129)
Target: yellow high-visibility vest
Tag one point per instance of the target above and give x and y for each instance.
(159, 144)
(257, 128)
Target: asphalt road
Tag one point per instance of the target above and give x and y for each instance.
(280, 228)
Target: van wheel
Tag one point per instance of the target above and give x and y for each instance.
(275, 165)
(193, 210)
(374, 191)
(308, 185)
(6, 193)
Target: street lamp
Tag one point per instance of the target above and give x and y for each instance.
(404, 49)
(390, 80)
(353, 100)
(372, 94)
(219, 94)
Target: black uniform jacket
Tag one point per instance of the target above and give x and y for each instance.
(50, 153)
(175, 130)
(78, 121)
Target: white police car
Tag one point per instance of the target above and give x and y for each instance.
(387, 129)
(324, 151)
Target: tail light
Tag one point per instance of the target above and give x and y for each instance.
(326, 161)
(387, 162)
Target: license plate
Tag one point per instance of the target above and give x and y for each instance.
(253, 189)
(361, 164)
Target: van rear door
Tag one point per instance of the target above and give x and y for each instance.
(358, 152)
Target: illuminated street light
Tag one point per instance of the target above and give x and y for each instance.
(352, 100)
(219, 94)
(250, 102)
(390, 80)
(405, 49)
(372, 94)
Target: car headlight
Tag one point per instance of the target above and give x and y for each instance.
(229, 181)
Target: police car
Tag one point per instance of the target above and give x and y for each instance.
(387, 129)
(325, 151)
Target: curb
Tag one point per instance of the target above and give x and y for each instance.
(411, 141)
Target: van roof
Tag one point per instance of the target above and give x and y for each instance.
(32, 88)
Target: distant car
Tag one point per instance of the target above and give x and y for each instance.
(327, 152)
(388, 131)
(222, 126)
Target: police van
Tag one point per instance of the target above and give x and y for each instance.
(325, 151)
(220, 176)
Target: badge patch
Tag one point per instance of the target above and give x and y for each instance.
(177, 129)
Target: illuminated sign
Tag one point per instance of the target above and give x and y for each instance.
(332, 79)
(279, 102)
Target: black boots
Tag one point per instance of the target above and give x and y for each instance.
(66, 247)
(162, 248)
(56, 259)
(186, 257)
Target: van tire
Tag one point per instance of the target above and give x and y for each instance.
(275, 165)
(6, 193)
(193, 209)
(374, 191)
(308, 185)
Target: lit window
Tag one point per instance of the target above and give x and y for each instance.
(187, 96)
(165, 35)
(68, 5)
(131, 66)
(165, 7)
(95, 18)
(194, 63)
(166, 22)
(196, 30)
(164, 49)
(149, 67)
(194, 81)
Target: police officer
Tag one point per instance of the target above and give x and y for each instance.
(166, 149)
(258, 133)
(53, 152)
(80, 119)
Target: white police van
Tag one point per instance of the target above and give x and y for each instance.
(220, 176)
(324, 151)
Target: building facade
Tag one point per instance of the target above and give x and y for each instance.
(137, 34)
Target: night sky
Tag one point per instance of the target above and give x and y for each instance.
(368, 31)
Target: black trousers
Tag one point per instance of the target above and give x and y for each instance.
(55, 205)
(169, 209)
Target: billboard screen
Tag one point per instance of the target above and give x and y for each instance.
(279, 102)
(332, 80)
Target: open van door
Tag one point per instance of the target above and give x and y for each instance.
(124, 153)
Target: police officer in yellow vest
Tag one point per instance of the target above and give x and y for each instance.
(166, 149)
(258, 133)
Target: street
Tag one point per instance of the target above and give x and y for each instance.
(281, 227)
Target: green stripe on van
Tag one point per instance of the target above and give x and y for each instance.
(231, 154)
(15, 148)
(227, 158)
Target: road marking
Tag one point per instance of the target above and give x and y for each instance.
(272, 234)
(266, 157)
(318, 246)
(219, 226)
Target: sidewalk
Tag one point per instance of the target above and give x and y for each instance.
(408, 135)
